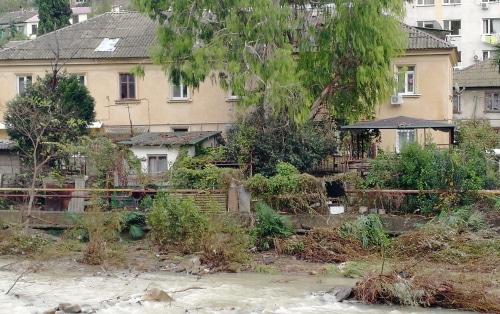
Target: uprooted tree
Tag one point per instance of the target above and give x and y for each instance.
(51, 113)
(286, 55)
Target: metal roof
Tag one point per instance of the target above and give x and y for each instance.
(400, 122)
(170, 138)
(481, 74)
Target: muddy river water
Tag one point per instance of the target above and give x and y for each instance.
(122, 292)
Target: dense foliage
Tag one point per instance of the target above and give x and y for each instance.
(176, 221)
(199, 172)
(468, 167)
(284, 55)
(269, 225)
(265, 140)
(53, 14)
(368, 230)
(288, 190)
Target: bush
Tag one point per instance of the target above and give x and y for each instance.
(15, 241)
(463, 219)
(464, 169)
(367, 229)
(269, 225)
(176, 221)
(225, 243)
(134, 224)
(288, 190)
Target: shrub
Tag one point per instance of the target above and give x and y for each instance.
(134, 223)
(16, 241)
(367, 229)
(225, 243)
(269, 225)
(176, 221)
(462, 219)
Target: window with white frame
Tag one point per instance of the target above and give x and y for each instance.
(425, 24)
(454, 26)
(405, 137)
(457, 105)
(23, 82)
(157, 164)
(491, 26)
(452, 1)
(180, 91)
(406, 80)
(425, 2)
(492, 101)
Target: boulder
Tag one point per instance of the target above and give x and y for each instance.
(157, 295)
(340, 293)
(190, 265)
(70, 308)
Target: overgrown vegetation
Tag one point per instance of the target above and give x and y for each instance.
(368, 230)
(199, 172)
(288, 190)
(460, 171)
(269, 226)
(178, 222)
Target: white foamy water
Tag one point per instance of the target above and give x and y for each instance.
(122, 292)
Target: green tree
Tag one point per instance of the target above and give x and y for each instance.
(52, 113)
(53, 14)
(288, 56)
(265, 140)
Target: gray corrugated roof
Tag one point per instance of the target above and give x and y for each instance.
(16, 17)
(170, 138)
(399, 122)
(481, 74)
(137, 36)
(419, 39)
(79, 41)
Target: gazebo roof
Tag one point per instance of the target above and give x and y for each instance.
(400, 122)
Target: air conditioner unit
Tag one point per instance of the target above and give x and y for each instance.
(484, 5)
(397, 99)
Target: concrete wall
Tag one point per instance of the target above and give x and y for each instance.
(432, 99)
(207, 109)
(469, 42)
(473, 107)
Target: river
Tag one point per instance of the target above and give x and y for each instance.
(122, 292)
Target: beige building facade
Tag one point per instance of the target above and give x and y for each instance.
(103, 52)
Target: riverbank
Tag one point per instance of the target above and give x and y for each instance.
(97, 290)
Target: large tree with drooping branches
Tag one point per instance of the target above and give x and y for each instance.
(287, 56)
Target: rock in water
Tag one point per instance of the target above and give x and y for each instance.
(157, 295)
(341, 293)
(190, 265)
(69, 308)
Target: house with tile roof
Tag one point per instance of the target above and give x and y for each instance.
(477, 93)
(104, 51)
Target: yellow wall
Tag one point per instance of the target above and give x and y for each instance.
(207, 109)
(432, 99)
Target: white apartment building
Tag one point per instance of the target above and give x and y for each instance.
(473, 25)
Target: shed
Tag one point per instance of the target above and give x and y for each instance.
(158, 151)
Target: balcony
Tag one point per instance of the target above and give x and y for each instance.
(492, 39)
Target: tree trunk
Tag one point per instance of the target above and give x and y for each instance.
(31, 194)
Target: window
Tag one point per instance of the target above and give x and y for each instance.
(34, 29)
(492, 101)
(425, 24)
(491, 26)
(404, 137)
(457, 106)
(75, 18)
(459, 56)
(453, 25)
(180, 92)
(406, 80)
(23, 82)
(425, 2)
(127, 86)
(180, 130)
(157, 164)
(487, 54)
(452, 1)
